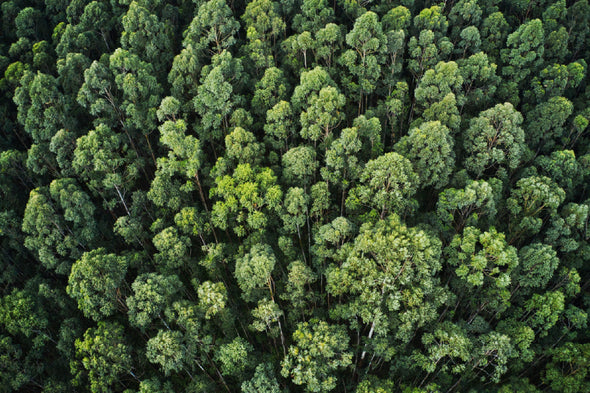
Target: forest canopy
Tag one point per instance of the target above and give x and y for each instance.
(294, 196)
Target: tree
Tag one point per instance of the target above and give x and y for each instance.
(263, 381)
(328, 42)
(524, 52)
(457, 208)
(11, 374)
(103, 159)
(151, 293)
(546, 123)
(59, 223)
(146, 36)
(554, 80)
(562, 167)
(296, 210)
(395, 26)
(104, 355)
(437, 83)
(449, 346)
(300, 165)
(366, 56)
(463, 13)
(388, 285)
(216, 96)
(568, 368)
(342, 164)
(315, 14)
(263, 25)
(234, 357)
(90, 30)
(241, 147)
(323, 115)
(480, 81)
(426, 51)
(95, 283)
(280, 125)
(141, 94)
(212, 30)
(212, 298)
(270, 90)
(430, 149)
(387, 184)
(21, 313)
(254, 272)
(493, 139)
(319, 349)
(432, 19)
(470, 41)
(494, 31)
(247, 199)
(184, 76)
(375, 385)
(98, 94)
(310, 84)
(533, 199)
(167, 350)
(41, 112)
(297, 289)
(538, 261)
(579, 15)
(153, 385)
(180, 170)
(483, 260)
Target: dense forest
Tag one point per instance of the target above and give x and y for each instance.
(355, 196)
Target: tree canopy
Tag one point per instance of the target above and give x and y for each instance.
(275, 196)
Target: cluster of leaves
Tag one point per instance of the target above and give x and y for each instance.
(294, 196)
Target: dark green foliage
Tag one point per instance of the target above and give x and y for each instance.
(271, 196)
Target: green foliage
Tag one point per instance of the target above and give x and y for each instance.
(105, 162)
(263, 25)
(294, 196)
(213, 29)
(60, 224)
(493, 139)
(299, 165)
(363, 61)
(457, 208)
(166, 350)
(233, 357)
(95, 283)
(533, 198)
(537, 264)
(387, 184)
(151, 293)
(21, 314)
(247, 199)
(481, 257)
(215, 98)
(524, 50)
(568, 368)
(104, 356)
(254, 271)
(547, 121)
(263, 381)
(319, 350)
(430, 148)
(212, 298)
(388, 277)
(11, 376)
